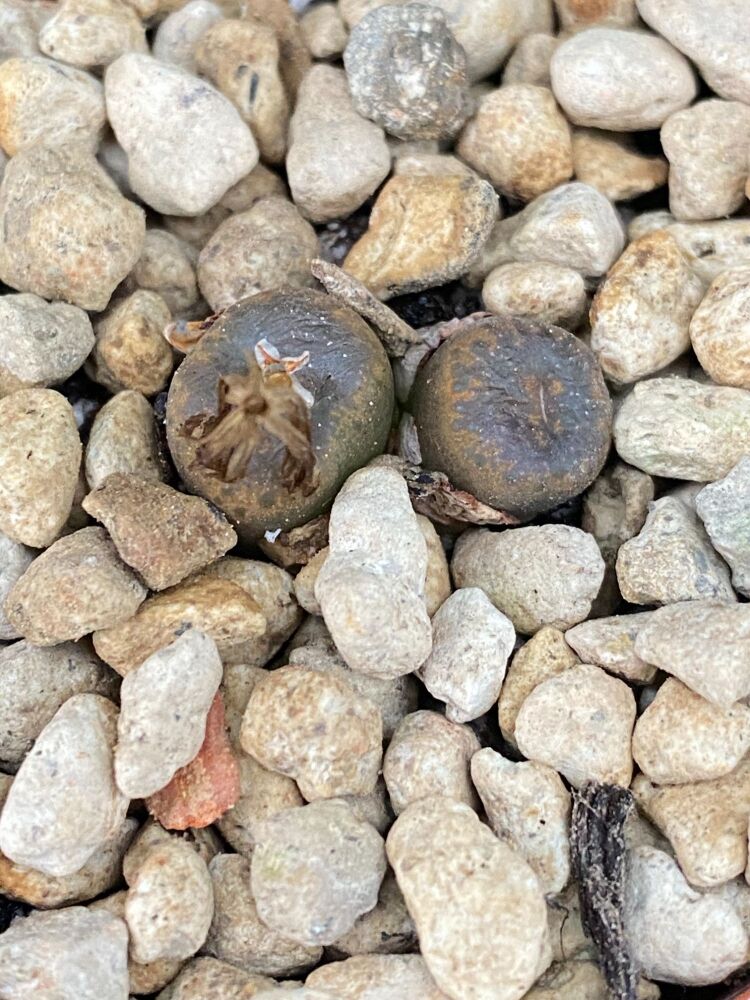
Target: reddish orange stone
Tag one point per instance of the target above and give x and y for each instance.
(204, 789)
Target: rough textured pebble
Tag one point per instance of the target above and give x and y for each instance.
(15, 559)
(178, 34)
(124, 439)
(131, 351)
(537, 290)
(372, 975)
(609, 162)
(610, 643)
(92, 33)
(720, 328)
(723, 507)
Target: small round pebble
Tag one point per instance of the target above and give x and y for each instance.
(610, 643)
(316, 729)
(324, 31)
(429, 755)
(92, 32)
(314, 870)
(40, 455)
(580, 723)
(407, 72)
(167, 266)
(720, 328)
(63, 804)
(546, 575)
(625, 81)
(520, 140)
(124, 439)
(79, 584)
(723, 507)
(546, 292)
(131, 351)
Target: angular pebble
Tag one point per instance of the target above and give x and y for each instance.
(528, 807)
(164, 706)
(162, 534)
(92, 32)
(314, 728)
(580, 723)
(437, 239)
(682, 429)
(611, 163)
(547, 292)
(610, 643)
(158, 111)
(653, 287)
(620, 80)
(547, 575)
(671, 559)
(314, 870)
(124, 439)
(520, 140)
(79, 584)
(71, 954)
(269, 246)
(471, 643)
(682, 738)
(221, 609)
(63, 804)
(499, 912)
(131, 351)
(705, 644)
(429, 756)
(720, 328)
(615, 507)
(724, 508)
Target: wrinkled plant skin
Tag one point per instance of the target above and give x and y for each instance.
(348, 374)
(515, 412)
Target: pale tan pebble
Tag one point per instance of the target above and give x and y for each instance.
(581, 979)
(272, 589)
(706, 146)
(385, 929)
(429, 756)
(336, 158)
(723, 507)
(610, 643)
(715, 246)
(471, 643)
(66, 954)
(573, 225)
(241, 58)
(537, 576)
(705, 644)
(178, 34)
(495, 252)
(124, 438)
(671, 559)
(195, 230)
(91, 33)
(131, 351)
(79, 584)
(169, 905)
(67, 233)
(712, 34)
(720, 328)
(41, 343)
(375, 575)
(208, 977)
(152, 835)
(46, 101)
(544, 655)
(314, 728)
(547, 292)
(304, 583)
(15, 559)
(260, 183)
(314, 870)
(420, 164)
(437, 584)
(621, 80)
(167, 266)
(615, 507)
(439, 238)
(530, 60)
(164, 705)
(238, 681)
(35, 681)
(237, 934)
(159, 110)
(528, 806)
(577, 15)
(683, 738)
(683, 429)
(611, 164)
(580, 723)
(63, 804)
(102, 872)
(458, 878)
(363, 976)
(143, 977)
(324, 31)
(162, 534)
(278, 14)
(706, 822)
(653, 291)
(220, 608)
(647, 222)
(394, 697)
(18, 30)
(269, 246)
(263, 793)
(519, 139)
